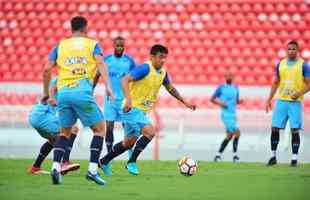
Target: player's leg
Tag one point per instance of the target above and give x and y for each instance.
(110, 115)
(148, 132)
(67, 118)
(224, 143)
(67, 165)
(109, 139)
(296, 123)
(45, 126)
(60, 147)
(45, 149)
(229, 127)
(90, 115)
(279, 120)
(117, 150)
(95, 151)
(235, 146)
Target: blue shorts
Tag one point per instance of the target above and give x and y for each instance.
(230, 123)
(112, 109)
(287, 110)
(78, 103)
(134, 121)
(46, 124)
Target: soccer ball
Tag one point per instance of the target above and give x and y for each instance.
(187, 166)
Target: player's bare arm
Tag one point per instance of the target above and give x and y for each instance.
(52, 92)
(174, 92)
(273, 90)
(96, 79)
(304, 91)
(216, 101)
(125, 86)
(47, 75)
(104, 74)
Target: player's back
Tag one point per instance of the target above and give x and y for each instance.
(118, 67)
(75, 60)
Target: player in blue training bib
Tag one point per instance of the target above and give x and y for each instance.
(227, 97)
(292, 81)
(44, 118)
(119, 64)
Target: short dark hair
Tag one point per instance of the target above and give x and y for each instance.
(118, 38)
(78, 23)
(294, 42)
(158, 48)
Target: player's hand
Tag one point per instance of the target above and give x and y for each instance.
(295, 95)
(52, 101)
(190, 106)
(223, 105)
(268, 106)
(44, 99)
(241, 101)
(127, 106)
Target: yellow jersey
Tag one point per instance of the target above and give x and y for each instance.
(76, 61)
(144, 92)
(291, 79)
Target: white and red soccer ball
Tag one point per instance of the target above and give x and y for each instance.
(187, 166)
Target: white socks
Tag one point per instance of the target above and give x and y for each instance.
(274, 153)
(56, 165)
(92, 168)
(294, 157)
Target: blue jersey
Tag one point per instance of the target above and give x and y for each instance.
(228, 94)
(117, 69)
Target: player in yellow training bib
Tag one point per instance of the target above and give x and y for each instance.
(292, 80)
(78, 58)
(141, 87)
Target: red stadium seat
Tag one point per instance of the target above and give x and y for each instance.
(205, 36)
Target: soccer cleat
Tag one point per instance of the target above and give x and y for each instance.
(217, 158)
(272, 161)
(56, 177)
(294, 163)
(236, 159)
(68, 167)
(95, 178)
(36, 170)
(106, 170)
(132, 168)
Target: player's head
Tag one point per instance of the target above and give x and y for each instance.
(292, 49)
(119, 46)
(158, 55)
(229, 76)
(79, 24)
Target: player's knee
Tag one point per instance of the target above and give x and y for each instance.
(149, 131)
(51, 140)
(99, 129)
(275, 130)
(237, 133)
(229, 136)
(129, 142)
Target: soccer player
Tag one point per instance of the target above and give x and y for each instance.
(292, 78)
(119, 64)
(141, 87)
(227, 97)
(44, 119)
(78, 58)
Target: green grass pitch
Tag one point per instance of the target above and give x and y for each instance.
(160, 180)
